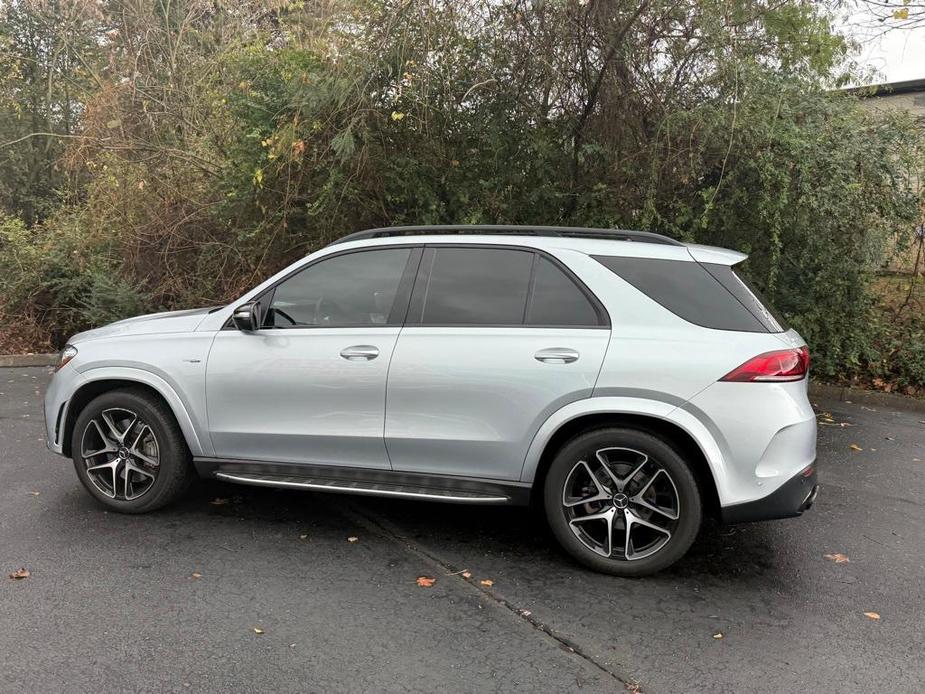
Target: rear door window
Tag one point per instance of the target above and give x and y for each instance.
(556, 301)
(474, 286)
(481, 286)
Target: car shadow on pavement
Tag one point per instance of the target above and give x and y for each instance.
(459, 534)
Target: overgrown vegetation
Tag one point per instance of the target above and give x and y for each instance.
(171, 153)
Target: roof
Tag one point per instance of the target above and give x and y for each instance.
(512, 229)
(578, 239)
(888, 88)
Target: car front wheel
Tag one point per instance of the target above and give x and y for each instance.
(622, 501)
(129, 452)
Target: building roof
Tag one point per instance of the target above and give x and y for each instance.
(888, 88)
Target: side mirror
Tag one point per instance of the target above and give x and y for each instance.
(246, 317)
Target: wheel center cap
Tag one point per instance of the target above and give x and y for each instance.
(123, 452)
(620, 500)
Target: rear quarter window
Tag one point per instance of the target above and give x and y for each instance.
(689, 290)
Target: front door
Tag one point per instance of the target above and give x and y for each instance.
(497, 339)
(309, 385)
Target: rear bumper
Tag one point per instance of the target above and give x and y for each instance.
(790, 499)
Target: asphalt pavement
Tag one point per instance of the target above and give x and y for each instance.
(174, 601)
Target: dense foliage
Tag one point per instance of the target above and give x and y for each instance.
(189, 148)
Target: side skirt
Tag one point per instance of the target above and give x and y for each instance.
(366, 481)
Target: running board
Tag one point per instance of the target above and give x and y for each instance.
(368, 482)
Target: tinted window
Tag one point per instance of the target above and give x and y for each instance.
(476, 286)
(556, 299)
(687, 290)
(749, 296)
(350, 289)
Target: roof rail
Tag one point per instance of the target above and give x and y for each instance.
(514, 230)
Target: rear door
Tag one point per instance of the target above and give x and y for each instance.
(497, 338)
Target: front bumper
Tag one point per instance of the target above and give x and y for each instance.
(790, 499)
(55, 407)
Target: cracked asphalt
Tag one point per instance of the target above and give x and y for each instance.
(112, 604)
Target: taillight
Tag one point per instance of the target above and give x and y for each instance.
(777, 366)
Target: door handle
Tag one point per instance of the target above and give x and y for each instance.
(360, 352)
(557, 355)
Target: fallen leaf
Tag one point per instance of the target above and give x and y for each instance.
(218, 501)
(426, 581)
(488, 583)
(353, 538)
(20, 574)
(397, 115)
(258, 631)
(837, 557)
(718, 635)
(466, 574)
(855, 447)
(35, 493)
(526, 613)
(872, 615)
(196, 574)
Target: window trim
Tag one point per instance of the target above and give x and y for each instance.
(399, 306)
(415, 311)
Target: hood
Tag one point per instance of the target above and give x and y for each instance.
(151, 324)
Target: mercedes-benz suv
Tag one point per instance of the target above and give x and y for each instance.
(628, 383)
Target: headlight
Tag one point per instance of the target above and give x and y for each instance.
(68, 353)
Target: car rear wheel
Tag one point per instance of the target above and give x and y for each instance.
(129, 452)
(622, 501)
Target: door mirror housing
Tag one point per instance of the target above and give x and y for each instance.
(246, 317)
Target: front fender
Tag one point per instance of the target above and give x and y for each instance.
(180, 408)
(710, 445)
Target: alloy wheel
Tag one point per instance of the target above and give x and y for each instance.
(621, 504)
(121, 454)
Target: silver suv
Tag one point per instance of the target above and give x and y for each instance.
(629, 383)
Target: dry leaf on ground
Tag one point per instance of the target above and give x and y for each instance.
(837, 557)
(855, 447)
(258, 631)
(426, 581)
(196, 574)
(718, 635)
(353, 538)
(488, 583)
(466, 574)
(872, 615)
(20, 574)
(35, 493)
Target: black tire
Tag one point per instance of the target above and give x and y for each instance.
(564, 469)
(173, 475)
